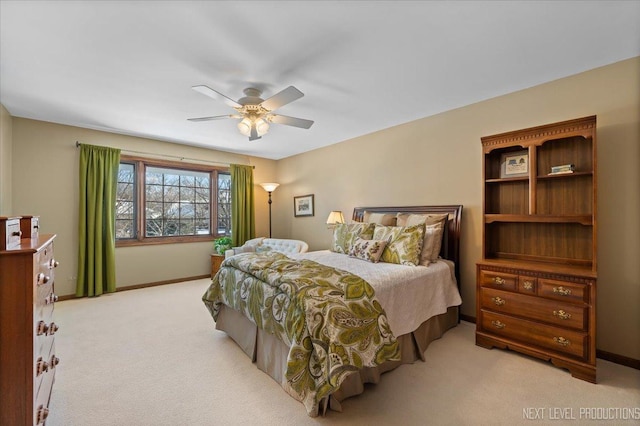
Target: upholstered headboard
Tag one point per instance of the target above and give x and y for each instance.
(451, 240)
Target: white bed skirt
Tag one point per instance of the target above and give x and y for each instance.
(270, 354)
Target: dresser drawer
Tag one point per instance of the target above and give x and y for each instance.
(527, 284)
(45, 334)
(563, 290)
(44, 386)
(498, 280)
(44, 300)
(536, 308)
(556, 339)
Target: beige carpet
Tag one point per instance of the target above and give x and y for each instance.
(153, 357)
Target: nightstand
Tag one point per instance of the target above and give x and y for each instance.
(216, 261)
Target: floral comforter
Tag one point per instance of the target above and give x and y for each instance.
(329, 318)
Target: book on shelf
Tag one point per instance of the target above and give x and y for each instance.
(564, 168)
(560, 173)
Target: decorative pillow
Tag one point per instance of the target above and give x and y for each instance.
(262, 248)
(432, 243)
(410, 219)
(404, 243)
(244, 249)
(434, 230)
(369, 250)
(386, 219)
(254, 242)
(344, 235)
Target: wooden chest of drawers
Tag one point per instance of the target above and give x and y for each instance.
(27, 331)
(540, 313)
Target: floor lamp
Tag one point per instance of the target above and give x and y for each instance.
(269, 187)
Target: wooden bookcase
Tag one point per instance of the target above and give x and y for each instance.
(536, 282)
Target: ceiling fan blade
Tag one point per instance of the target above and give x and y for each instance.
(216, 95)
(215, 117)
(287, 95)
(290, 121)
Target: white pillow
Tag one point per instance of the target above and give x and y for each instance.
(244, 249)
(434, 230)
(254, 242)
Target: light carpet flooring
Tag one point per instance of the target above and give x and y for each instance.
(153, 357)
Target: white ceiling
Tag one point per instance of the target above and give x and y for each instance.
(128, 67)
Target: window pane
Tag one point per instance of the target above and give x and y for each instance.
(153, 228)
(224, 204)
(171, 197)
(202, 226)
(187, 211)
(202, 195)
(187, 194)
(125, 196)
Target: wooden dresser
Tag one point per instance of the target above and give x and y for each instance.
(536, 282)
(27, 328)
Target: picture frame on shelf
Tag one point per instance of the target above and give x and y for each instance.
(303, 205)
(514, 164)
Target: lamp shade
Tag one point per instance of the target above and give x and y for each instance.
(335, 217)
(270, 187)
(245, 126)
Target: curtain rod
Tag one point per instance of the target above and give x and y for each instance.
(78, 144)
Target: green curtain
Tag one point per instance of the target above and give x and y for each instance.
(243, 221)
(97, 241)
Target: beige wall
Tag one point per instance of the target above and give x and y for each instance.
(6, 126)
(437, 160)
(45, 183)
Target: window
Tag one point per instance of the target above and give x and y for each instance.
(125, 202)
(165, 202)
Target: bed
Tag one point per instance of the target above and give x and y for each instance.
(388, 313)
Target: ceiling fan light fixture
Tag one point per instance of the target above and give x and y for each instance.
(245, 126)
(262, 126)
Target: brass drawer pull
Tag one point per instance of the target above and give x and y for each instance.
(528, 285)
(41, 415)
(562, 291)
(499, 281)
(54, 361)
(562, 314)
(42, 278)
(41, 328)
(41, 366)
(498, 301)
(562, 341)
(498, 324)
(53, 327)
(52, 298)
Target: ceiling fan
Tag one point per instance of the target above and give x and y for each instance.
(256, 113)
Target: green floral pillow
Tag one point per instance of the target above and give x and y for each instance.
(369, 250)
(345, 235)
(404, 243)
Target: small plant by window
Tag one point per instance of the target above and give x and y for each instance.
(222, 244)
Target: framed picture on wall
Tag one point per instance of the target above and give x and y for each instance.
(303, 205)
